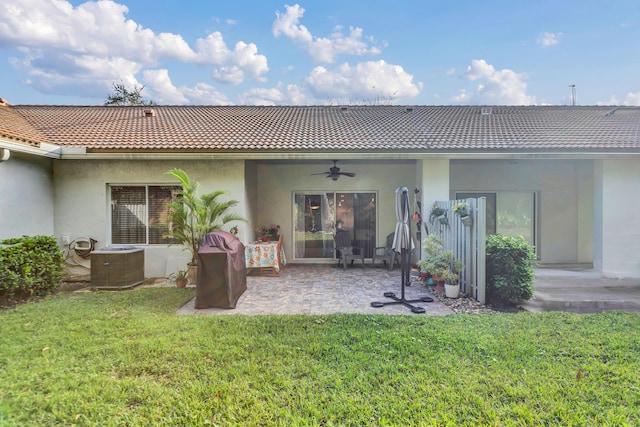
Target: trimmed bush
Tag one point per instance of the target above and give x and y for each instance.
(30, 266)
(510, 262)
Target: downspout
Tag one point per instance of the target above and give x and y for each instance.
(4, 154)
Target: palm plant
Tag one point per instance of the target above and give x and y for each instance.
(191, 217)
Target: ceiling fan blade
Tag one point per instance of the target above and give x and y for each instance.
(334, 172)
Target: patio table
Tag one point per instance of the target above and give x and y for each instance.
(264, 255)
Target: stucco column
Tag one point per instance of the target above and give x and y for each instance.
(620, 218)
(433, 183)
(597, 215)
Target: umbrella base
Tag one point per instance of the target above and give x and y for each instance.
(406, 303)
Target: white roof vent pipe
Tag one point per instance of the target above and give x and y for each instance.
(4, 155)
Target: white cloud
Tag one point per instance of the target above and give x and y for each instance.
(631, 99)
(233, 66)
(293, 95)
(297, 95)
(83, 75)
(162, 91)
(262, 96)
(321, 49)
(549, 39)
(62, 44)
(204, 94)
(504, 87)
(366, 82)
(287, 24)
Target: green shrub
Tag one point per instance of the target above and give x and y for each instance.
(510, 262)
(30, 266)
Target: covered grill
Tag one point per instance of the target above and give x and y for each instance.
(222, 273)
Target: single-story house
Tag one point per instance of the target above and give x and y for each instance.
(565, 177)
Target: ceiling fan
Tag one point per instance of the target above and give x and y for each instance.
(334, 172)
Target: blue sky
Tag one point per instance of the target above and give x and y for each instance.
(312, 52)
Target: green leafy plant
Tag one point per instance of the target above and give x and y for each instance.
(510, 262)
(461, 209)
(192, 216)
(272, 230)
(124, 96)
(436, 211)
(180, 275)
(440, 263)
(30, 266)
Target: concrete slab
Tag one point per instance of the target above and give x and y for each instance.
(582, 291)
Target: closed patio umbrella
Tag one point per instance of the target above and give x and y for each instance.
(403, 244)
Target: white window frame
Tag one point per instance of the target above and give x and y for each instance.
(146, 208)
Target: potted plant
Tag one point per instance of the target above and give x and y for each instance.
(266, 234)
(463, 210)
(441, 265)
(181, 278)
(438, 213)
(192, 216)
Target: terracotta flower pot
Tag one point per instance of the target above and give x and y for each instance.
(181, 283)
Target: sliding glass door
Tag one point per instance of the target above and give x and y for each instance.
(512, 213)
(317, 216)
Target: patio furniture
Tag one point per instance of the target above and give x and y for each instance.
(345, 251)
(387, 254)
(222, 274)
(266, 257)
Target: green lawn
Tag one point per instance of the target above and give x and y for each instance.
(124, 359)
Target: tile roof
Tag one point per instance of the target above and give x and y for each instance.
(14, 128)
(337, 129)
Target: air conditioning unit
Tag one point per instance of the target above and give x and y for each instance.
(117, 267)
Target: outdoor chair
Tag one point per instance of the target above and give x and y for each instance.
(386, 253)
(345, 251)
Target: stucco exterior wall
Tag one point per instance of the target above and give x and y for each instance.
(277, 183)
(81, 198)
(251, 194)
(434, 183)
(566, 196)
(620, 222)
(569, 204)
(26, 196)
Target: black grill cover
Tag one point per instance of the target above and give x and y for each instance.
(222, 273)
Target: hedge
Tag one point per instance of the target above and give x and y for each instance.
(29, 266)
(510, 262)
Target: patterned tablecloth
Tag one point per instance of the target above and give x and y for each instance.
(261, 254)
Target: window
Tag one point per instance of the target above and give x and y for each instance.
(512, 213)
(139, 213)
(318, 215)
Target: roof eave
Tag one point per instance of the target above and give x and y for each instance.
(43, 150)
(77, 154)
